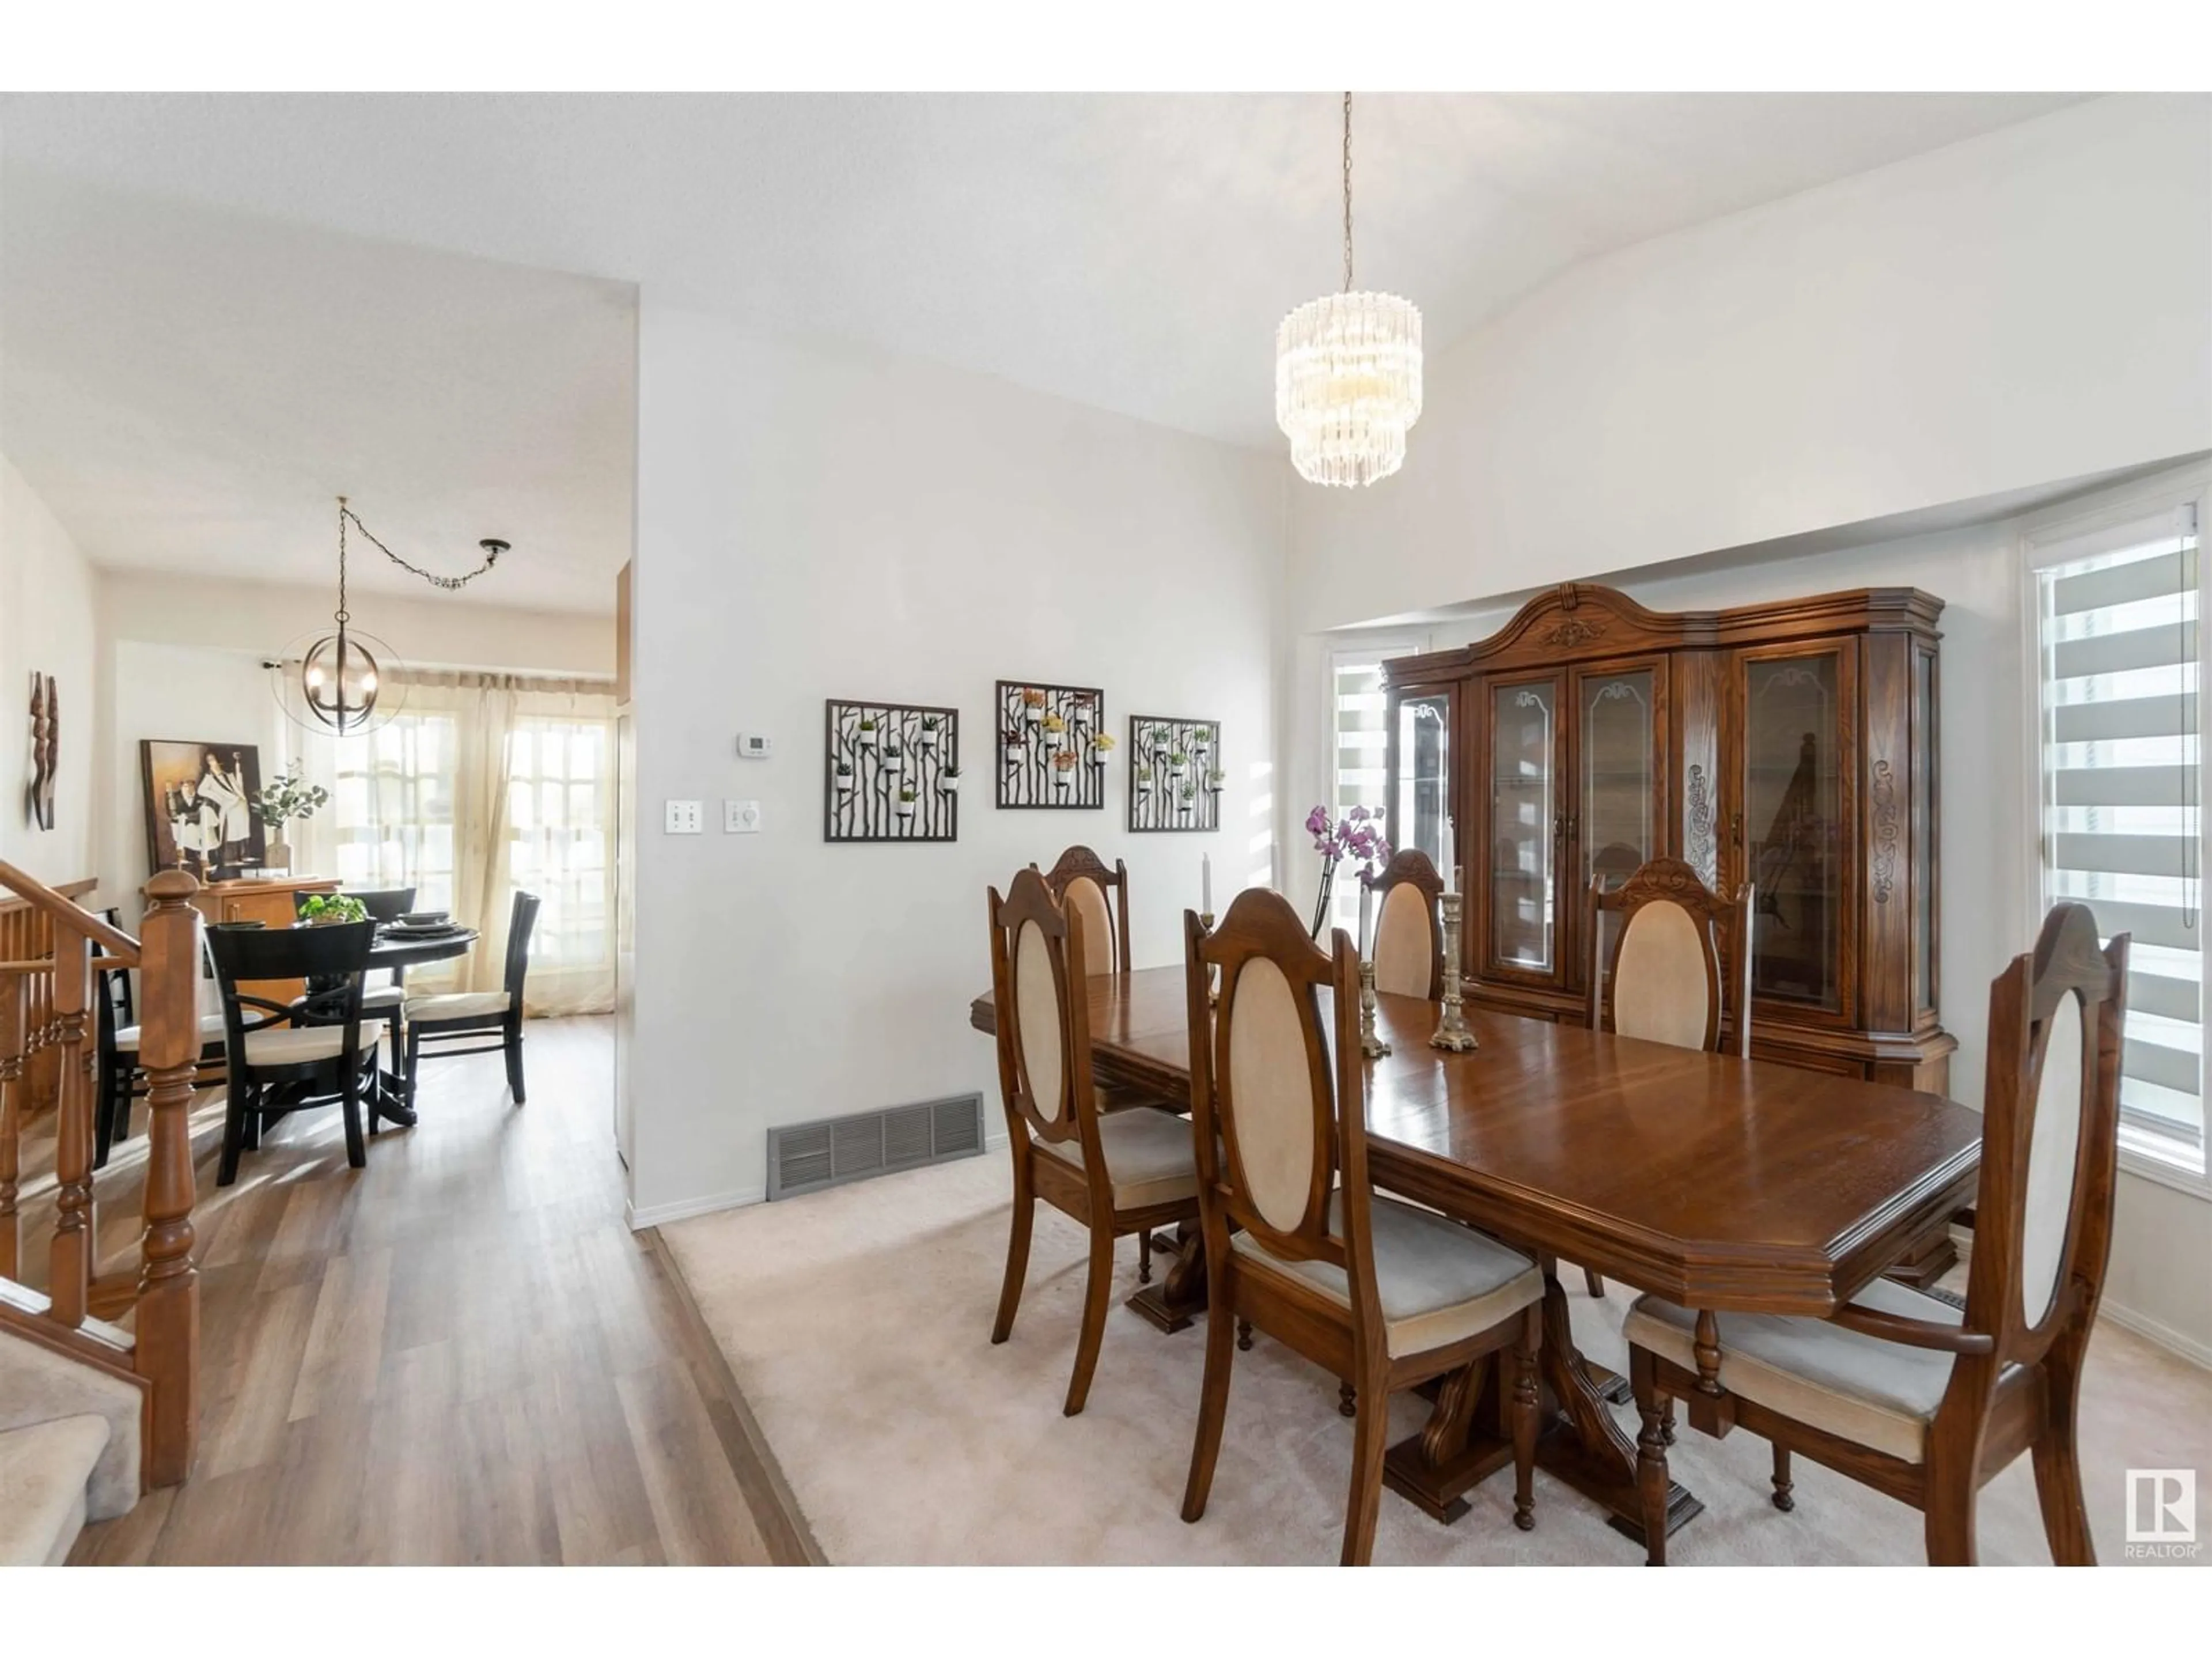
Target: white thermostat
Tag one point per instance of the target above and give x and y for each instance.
(752, 746)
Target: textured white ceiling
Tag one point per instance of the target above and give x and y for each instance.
(1130, 251)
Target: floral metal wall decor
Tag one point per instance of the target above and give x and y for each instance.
(1053, 743)
(1176, 773)
(891, 772)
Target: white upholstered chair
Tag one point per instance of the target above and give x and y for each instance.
(1906, 1393)
(1118, 1173)
(1381, 1293)
(1407, 949)
(1661, 978)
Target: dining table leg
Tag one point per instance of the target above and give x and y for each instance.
(1468, 1435)
(1176, 1297)
(1583, 1445)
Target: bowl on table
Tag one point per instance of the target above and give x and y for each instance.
(421, 919)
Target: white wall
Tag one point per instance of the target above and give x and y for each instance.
(2025, 307)
(48, 610)
(815, 523)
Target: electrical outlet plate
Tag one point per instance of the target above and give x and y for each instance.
(682, 817)
(741, 817)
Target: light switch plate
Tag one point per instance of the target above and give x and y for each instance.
(682, 817)
(741, 817)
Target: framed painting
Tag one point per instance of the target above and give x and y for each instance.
(200, 806)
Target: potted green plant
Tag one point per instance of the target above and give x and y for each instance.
(1216, 780)
(927, 737)
(905, 808)
(286, 799)
(844, 777)
(1178, 762)
(948, 781)
(868, 733)
(322, 909)
(893, 759)
(1141, 780)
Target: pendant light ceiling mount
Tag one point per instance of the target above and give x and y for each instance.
(1348, 373)
(347, 683)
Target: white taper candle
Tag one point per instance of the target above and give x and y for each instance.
(1205, 883)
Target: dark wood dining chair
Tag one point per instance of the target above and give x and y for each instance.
(119, 1079)
(283, 1056)
(1910, 1395)
(385, 905)
(450, 1020)
(1662, 977)
(1381, 1293)
(1082, 883)
(1407, 948)
(1116, 1174)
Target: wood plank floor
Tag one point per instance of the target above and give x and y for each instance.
(459, 1354)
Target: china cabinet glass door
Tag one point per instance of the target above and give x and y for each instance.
(1421, 779)
(1617, 774)
(1527, 824)
(1792, 817)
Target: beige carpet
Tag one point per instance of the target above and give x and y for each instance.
(857, 1321)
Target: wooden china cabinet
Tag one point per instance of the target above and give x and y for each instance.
(1790, 744)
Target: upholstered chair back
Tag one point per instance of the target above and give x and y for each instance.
(1276, 1074)
(1044, 1040)
(2050, 1138)
(1407, 948)
(1082, 883)
(1661, 980)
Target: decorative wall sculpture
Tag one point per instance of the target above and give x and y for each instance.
(46, 748)
(1052, 745)
(891, 772)
(1175, 774)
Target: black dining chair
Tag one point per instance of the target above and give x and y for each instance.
(385, 905)
(463, 1014)
(315, 1051)
(117, 1078)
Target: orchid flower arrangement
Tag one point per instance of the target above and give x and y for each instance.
(1358, 836)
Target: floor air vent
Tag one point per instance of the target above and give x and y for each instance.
(804, 1157)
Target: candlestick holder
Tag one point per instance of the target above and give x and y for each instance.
(1371, 1045)
(1212, 974)
(1452, 1032)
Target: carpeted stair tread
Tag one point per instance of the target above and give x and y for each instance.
(44, 1467)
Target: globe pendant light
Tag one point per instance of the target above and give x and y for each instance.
(345, 684)
(1348, 373)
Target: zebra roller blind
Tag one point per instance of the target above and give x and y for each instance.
(2123, 826)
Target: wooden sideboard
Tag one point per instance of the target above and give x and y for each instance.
(1792, 746)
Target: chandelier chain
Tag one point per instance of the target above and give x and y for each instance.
(449, 583)
(341, 616)
(1347, 192)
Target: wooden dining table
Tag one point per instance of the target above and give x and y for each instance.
(1725, 1185)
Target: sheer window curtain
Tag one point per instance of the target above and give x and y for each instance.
(482, 784)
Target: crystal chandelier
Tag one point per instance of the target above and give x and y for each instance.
(1348, 373)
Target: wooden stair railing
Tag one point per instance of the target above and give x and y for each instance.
(165, 1357)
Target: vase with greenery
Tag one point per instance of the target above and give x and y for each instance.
(286, 799)
(321, 909)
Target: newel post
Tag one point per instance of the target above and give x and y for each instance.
(12, 1004)
(168, 1282)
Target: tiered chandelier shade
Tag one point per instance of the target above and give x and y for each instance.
(1348, 386)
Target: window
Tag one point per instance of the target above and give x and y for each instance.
(481, 784)
(2120, 795)
(1360, 755)
(559, 807)
(391, 808)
